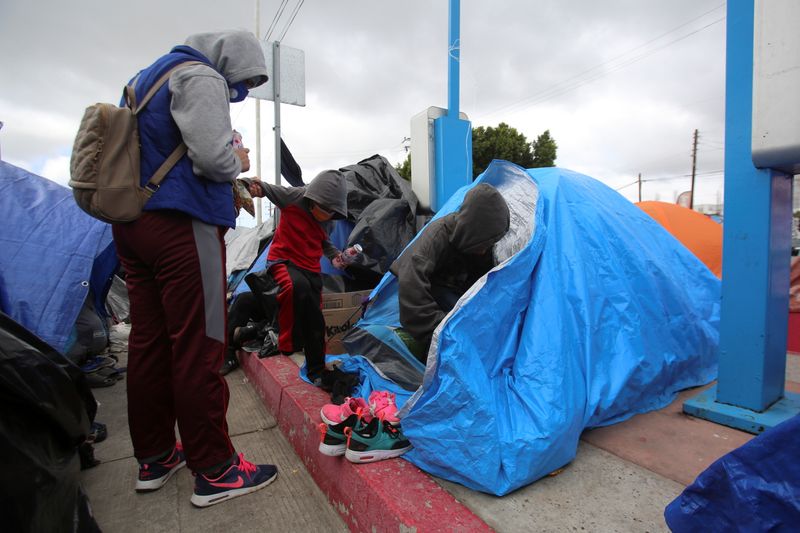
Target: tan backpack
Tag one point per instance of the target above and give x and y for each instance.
(105, 164)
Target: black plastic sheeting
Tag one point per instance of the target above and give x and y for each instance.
(756, 487)
(289, 167)
(384, 210)
(47, 409)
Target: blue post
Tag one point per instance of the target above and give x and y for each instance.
(453, 58)
(756, 248)
(452, 135)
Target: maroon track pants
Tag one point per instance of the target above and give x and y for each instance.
(175, 267)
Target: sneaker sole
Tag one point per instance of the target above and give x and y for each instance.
(155, 484)
(375, 455)
(332, 450)
(213, 499)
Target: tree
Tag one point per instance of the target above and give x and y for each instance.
(404, 168)
(544, 150)
(502, 142)
(505, 142)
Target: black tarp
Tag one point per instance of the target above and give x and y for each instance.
(47, 409)
(384, 210)
(289, 167)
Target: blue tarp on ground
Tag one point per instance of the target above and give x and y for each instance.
(52, 253)
(595, 314)
(756, 487)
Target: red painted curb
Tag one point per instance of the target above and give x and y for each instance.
(391, 495)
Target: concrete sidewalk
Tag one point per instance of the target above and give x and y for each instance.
(293, 503)
(621, 480)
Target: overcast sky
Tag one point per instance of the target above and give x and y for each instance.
(620, 84)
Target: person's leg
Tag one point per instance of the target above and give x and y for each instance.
(289, 339)
(151, 413)
(308, 305)
(244, 308)
(188, 258)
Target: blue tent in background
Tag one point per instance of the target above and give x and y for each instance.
(594, 313)
(52, 254)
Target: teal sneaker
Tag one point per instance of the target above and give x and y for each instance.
(333, 437)
(332, 440)
(375, 441)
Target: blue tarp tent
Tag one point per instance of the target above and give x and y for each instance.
(52, 253)
(594, 314)
(756, 487)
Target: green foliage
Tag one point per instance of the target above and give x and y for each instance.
(505, 142)
(544, 151)
(404, 168)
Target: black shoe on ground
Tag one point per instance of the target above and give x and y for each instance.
(228, 365)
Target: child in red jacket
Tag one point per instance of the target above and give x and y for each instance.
(306, 215)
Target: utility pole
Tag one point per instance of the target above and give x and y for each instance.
(640, 186)
(694, 166)
(258, 120)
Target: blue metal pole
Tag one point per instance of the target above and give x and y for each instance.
(452, 135)
(756, 248)
(454, 56)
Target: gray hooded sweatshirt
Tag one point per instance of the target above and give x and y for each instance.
(294, 238)
(201, 95)
(450, 255)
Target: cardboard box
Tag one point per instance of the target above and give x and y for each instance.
(343, 300)
(337, 323)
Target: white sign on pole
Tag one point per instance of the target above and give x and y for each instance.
(776, 76)
(292, 76)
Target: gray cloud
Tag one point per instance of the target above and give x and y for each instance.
(621, 84)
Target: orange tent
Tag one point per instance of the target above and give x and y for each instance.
(696, 231)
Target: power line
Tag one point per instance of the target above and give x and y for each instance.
(294, 14)
(628, 185)
(275, 19)
(678, 176)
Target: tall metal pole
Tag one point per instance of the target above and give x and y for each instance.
(694, 167)
(276, 93)
(258, 120)
(750, 392)
(454, 55)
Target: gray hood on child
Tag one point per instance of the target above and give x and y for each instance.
(329, 190)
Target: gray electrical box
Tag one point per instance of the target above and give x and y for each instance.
(423, 154)
(776, 85)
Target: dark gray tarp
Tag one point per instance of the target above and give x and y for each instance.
(384, 210)
(47, 409)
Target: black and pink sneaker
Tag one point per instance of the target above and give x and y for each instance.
(241, 478)
(153, 476)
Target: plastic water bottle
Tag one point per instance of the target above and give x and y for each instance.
(349, 255)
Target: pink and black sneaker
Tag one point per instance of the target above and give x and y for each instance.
(242, 477)
(336, 414)
(382, 405)
(153, 476)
